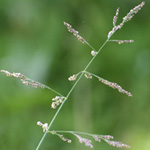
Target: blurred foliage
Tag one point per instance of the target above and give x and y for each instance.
(34, 41)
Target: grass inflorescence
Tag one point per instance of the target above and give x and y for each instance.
(59, 99)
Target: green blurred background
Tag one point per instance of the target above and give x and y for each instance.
(34, 41)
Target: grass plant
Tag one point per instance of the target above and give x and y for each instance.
(59, 100)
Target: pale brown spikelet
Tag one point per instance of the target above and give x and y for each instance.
(132, 12)
(75, 33)
(115, 86)
(88, 75)
(122, 41)
(116, 17)
(57, 101)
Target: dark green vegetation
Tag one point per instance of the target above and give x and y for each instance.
(34, 41)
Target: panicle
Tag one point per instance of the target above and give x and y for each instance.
(75, 33)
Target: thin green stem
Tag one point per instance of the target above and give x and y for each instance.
(87, 43)
(78, 73)
(54, 91)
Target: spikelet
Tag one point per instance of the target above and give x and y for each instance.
(72, 78)
(88, 75)
(93, 53)
(116, 17)
(57, 101)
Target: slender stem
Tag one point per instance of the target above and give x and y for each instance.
(78, 73)
(89, 45)
(69, 94)
(54, 91)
